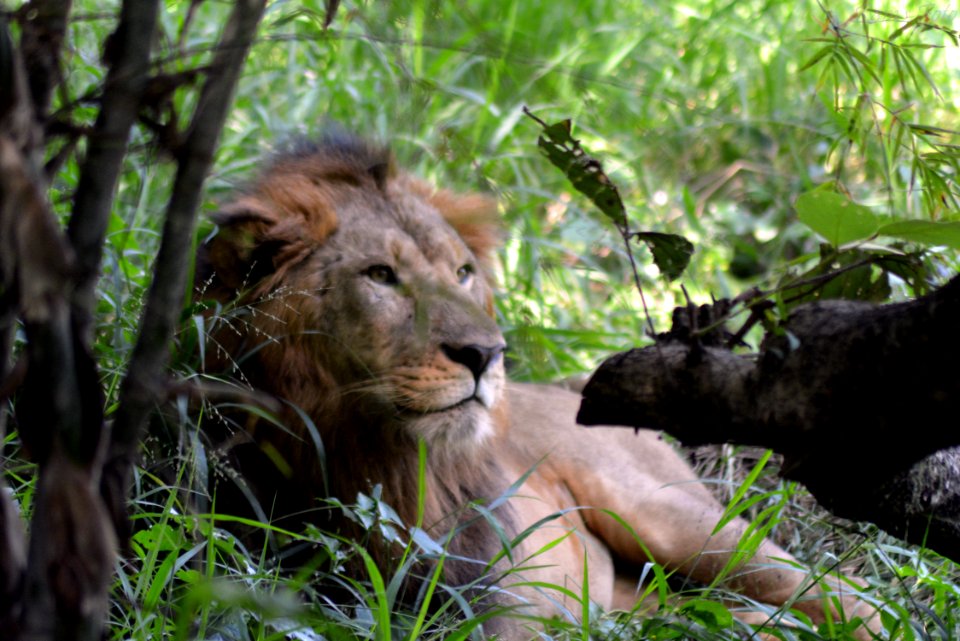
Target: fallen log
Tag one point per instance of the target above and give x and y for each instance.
(861, 399)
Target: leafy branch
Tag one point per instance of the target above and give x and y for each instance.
(671, 253)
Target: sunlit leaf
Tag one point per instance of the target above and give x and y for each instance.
(835, 217)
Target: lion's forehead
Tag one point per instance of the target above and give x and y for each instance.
(407, 229)
(438, 243)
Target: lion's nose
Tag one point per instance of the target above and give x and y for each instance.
(476, 358)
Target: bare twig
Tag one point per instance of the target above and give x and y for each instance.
(43, 25)
(758, 301)
(107, 146)
(626, 234)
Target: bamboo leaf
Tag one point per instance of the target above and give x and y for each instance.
(818, 56)
(901, 76)
(918, 64)
(865, 62)
(903, 28)
(930, 130)
(844, 64)
(886, 14)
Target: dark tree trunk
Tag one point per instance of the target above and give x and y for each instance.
(861, 400)
(54, 585)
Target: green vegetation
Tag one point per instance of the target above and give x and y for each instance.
(783, 139)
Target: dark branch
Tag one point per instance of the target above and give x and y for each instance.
(15, 116)
(17, 121)
(106, 147)
(58, 588)
(144, 384)
(71, 558)
(11, 75)
(35, 265)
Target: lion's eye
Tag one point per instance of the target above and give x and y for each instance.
(381, 274)
(464, 274)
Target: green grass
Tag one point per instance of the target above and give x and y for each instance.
(713, 117)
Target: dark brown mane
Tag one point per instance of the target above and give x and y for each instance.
(336, 158)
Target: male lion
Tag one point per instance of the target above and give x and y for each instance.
(372, 318)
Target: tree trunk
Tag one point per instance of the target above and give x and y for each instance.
(55, 585)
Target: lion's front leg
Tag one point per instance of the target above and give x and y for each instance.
(641, 479)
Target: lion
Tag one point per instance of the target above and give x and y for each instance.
(371, 314)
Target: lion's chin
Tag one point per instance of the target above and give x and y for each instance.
(464, 426)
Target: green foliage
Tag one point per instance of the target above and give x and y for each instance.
(835, 217)
(841, 221)
(894, 145)
(875, 63)
(925, 232)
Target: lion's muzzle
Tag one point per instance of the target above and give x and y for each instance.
(476, 358)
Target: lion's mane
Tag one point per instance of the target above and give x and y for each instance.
(327, 445)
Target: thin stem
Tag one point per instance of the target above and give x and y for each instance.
(625, 234)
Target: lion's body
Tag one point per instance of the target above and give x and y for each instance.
(373, 317)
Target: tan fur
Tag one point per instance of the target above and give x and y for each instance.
(369, 362)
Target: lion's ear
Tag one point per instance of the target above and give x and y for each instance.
(475, 217)
(261, 235)
(246, 250)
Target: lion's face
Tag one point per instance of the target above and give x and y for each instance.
(397, 319)
(387, 308)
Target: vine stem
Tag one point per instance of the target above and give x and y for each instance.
(626, 234)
